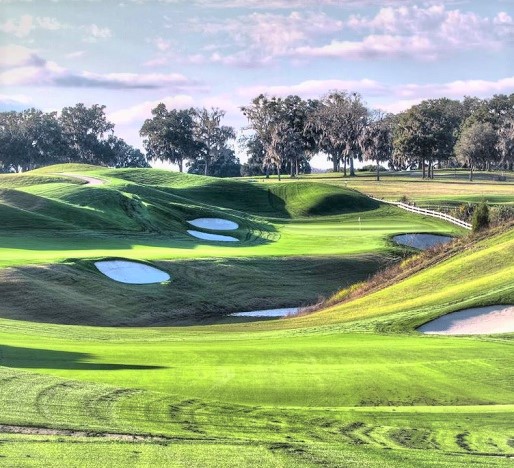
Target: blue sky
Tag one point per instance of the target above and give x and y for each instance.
(132, 54)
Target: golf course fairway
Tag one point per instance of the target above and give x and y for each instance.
(94, 372)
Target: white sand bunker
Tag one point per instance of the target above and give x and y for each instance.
(268, 313)
(215, 224)
(131, 272)
(421, 241)
(477, 321)
(212, 237)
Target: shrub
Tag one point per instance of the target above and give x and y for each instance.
(480, 218)
(464, 211)
(501, 214)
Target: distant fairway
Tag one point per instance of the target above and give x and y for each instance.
(353, 384)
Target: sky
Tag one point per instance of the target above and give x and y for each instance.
(130, 55)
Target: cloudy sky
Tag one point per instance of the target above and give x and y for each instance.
(132, 54)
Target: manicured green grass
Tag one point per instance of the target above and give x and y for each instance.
(352, 385)
(448, 188)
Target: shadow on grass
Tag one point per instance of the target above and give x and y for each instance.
(34, 358)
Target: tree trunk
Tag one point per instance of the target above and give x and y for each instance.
(336, 165)
(206, 167)
(344, 165)
(352, 169)
(471, 172)
(278, 171)
(378, 170)
(180, 162)
(424, 168)
(297, 169)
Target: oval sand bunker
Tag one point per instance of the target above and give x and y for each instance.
(268, 313)
(212, 237)
(421, 241)
(477, 321)
(215, 224)
(131, 272)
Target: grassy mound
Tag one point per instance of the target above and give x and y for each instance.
(289, 200)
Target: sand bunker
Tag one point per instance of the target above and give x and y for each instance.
(268, 313)
(212, 237)
(421, 241)
(477, 321)
(215, 224)
(131, 272)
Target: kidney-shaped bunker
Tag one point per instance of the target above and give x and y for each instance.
(131, 272)
(215, 224)
(476, 321)
(211, 237)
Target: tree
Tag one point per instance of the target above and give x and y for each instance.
(427, 133)
(224, 165)
(212, 136)
(338, 121)
(30, 139)
(85, 131)
(124, 155)
(480, 218)
(475, 145)
(169, 135)
(505, 143)
(375, 140)
(280, 126)
(263, 115)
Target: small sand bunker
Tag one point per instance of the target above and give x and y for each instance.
(268, 313)
(131, 272)
(212, 237)
(215, 224)
(477, 321)
(421, 241)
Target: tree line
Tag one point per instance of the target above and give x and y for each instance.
(33, 138)
(283, 135)
(473, 133)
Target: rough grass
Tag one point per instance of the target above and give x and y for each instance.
(200, 291)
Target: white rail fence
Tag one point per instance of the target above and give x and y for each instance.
(423, 211)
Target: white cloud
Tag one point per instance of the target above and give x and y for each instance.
(27, 23)
(18, 56)
(94, 33)
(371, 47)
(23, 67)
(438, 30)
(262, 36)
(162, 44)
(139, 112)
(314, 88)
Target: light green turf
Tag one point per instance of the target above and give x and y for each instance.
(353, 385)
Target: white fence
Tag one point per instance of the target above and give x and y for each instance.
(435, 214)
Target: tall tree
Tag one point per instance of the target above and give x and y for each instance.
(264, 116)
(338, 122)
(124, 155)
(169, 135)
(212, 135)
(375, 141)
(475, 144)
(225, 164)
(427, 133)
(30, 139)
(85, 130)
